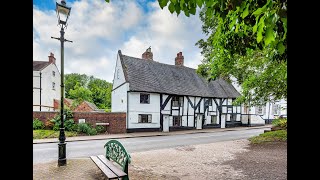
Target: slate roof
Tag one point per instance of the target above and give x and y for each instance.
(151, 76)
(39, 65)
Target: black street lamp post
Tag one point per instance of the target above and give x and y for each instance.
(63, 13)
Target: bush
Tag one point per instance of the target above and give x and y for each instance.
(49, 125)
(280, 123)
(92, 131)
(70, 125)
(37, 124)
(83, 128)
(100, 129)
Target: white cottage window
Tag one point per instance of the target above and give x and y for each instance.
(53, 73)
(145, 118)
(145, 98)
(259, 110)
(177, 101)
(53, 86)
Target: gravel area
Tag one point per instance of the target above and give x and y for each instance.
(203, 161)
(266, 161)
(221, 160)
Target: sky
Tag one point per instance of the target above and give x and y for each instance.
(99, 29)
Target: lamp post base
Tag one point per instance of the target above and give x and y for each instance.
(62, 161)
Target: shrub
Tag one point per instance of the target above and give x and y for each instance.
(83, 128)
(37, 124)
(281, 123)
(92, 131)
(100, 129)
(48, 125)
(70, 125)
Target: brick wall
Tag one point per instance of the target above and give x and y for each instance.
(117, 121)
(44, 115)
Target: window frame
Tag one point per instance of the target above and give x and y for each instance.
(142, 100)
(144, 118)
(174, 118)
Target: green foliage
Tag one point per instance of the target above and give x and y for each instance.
(247, 42)
(88, 88)
(272, 136)
(80, 93)
(87, 129)
(281, 123)
(100, 129)
(83, 128)
(69, 123)
(37, 124)
(42, 134)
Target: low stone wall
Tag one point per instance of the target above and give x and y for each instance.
(116, 120)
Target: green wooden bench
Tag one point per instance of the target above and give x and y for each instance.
(115, 152)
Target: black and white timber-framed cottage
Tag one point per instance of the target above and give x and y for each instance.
(163, 97)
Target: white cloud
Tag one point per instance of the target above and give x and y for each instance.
(99, 29)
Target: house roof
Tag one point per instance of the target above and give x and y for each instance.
(151, 76)
(39, 65)
(91, 105)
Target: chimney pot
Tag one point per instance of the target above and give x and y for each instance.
(179, 59)
(148, 55)
(52, 59)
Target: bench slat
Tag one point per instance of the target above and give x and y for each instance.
(103, 168)
(114, 168)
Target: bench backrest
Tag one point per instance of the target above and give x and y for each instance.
(116, 152)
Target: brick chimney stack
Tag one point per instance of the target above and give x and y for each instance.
(52, 59)
(179, 59)
(148, 54)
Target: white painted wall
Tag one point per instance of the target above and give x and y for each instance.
(48, 94)
(136, 108)
(119, 89)
(119, 99)
(118, 77)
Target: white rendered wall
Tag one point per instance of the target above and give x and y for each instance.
(136, 108)
(119, 89)
(48, 94)
(119, 99)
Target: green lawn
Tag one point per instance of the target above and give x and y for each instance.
(42, 134)
(272, 136)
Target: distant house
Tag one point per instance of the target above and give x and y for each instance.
(46, 84)
(85, 106)
(266, 112)
(163, 97)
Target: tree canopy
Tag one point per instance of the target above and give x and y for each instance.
(81, 87)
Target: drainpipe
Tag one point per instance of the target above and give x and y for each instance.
(40, 90)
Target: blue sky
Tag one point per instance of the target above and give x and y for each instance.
(100, 29)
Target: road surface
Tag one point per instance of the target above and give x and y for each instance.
(43, 153)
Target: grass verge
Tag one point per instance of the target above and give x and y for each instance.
(272, 136)
(42, 134)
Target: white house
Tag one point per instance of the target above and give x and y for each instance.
(46, 84)
(163, 97)
(267, 112)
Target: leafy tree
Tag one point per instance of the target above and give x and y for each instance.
(247, 40)
(79, 94)
(88, 88)
(72, 79)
